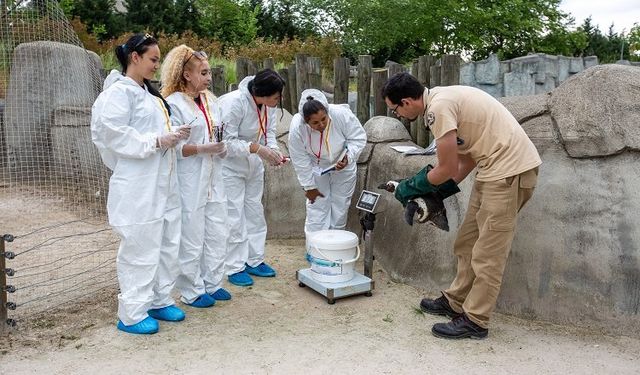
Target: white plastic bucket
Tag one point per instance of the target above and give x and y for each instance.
(332, 254)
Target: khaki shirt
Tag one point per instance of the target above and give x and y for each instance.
(490, 135)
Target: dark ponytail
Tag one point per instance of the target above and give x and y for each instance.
(138, 43)
(311, 107)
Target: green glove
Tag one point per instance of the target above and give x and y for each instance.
(419, 185)
(415, 186)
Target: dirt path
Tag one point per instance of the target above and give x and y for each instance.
(276, 327)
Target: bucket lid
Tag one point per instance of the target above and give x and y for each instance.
(333, 239)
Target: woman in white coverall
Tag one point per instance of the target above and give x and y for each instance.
(319, 135)
(185, 80)
(130, 126)
(249, 115)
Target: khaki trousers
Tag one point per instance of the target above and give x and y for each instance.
(484, 241)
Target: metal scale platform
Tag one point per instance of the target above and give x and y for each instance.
(360, 284)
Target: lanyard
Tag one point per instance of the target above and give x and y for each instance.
(326, 141)
(166, 114)
(203, 104)
(263, 121)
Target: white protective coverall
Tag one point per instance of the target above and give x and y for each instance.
(204, 202)
(144, 202)
(305, 144)
(243, 174)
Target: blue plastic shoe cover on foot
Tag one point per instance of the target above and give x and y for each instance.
(221, 295)
(261, 270)
(241, 279)
(144, 327)
(204, 300)
(170, 314)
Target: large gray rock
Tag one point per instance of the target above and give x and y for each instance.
(519, 84)
(385, 129)
(36, 89)
(488, 71)
(598, 111)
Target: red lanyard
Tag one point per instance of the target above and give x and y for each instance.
(206, 118)
(263, 121)
(320, 150)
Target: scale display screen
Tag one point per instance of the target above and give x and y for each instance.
(368, 201)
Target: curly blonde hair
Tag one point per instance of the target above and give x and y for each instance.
(171, 73)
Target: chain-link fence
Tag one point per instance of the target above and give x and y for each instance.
(52, 181)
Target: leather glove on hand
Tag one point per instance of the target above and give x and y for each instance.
(313, 194)
(217, 148)
(270, 156)
(167, 141)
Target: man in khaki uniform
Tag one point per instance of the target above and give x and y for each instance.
(472, 130)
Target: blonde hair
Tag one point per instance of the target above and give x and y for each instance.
(171, 73)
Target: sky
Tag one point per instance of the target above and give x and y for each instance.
(623, 13)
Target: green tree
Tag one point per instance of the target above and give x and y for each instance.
(155, 16)
(100, 16)
(278, 20)
(402, 29)
(186, 17)
(634, 42)
(228, 21)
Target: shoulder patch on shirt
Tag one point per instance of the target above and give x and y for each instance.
(431, 118)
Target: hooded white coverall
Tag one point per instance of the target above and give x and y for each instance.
(312, 151)
(243, 174)
(204, 203)
(143, 202)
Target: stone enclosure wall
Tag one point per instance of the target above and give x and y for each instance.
(528, 75)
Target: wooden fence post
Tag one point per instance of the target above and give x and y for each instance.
(364, 87)
(434, 74)
(302, 74)
(218, 80)
(378, 81)
(268, 63)
(415, 125)
(315, 73)
(242, 68)
(450, 74)
(293, 88)
(286, 95)
(252, 68)
(340, 80)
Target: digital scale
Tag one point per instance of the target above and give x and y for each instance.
(368, 202)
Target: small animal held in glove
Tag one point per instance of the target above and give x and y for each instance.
(429, 208)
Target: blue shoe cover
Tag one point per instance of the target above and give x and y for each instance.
(221, 295)
(240, 279)
(144, 327)
(261, 270)
(204, 300)
(170, 314)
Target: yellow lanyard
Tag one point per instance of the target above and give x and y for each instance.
(166, 114)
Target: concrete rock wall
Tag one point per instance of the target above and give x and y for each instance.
(522, 76)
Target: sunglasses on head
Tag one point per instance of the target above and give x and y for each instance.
(145, 37)
(199, 54)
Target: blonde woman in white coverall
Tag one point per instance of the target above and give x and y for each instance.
(130, 126)
(185, 78)
(249, 115)
(318, 136)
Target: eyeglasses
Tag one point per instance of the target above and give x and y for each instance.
(395, 111)
(199, 54)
